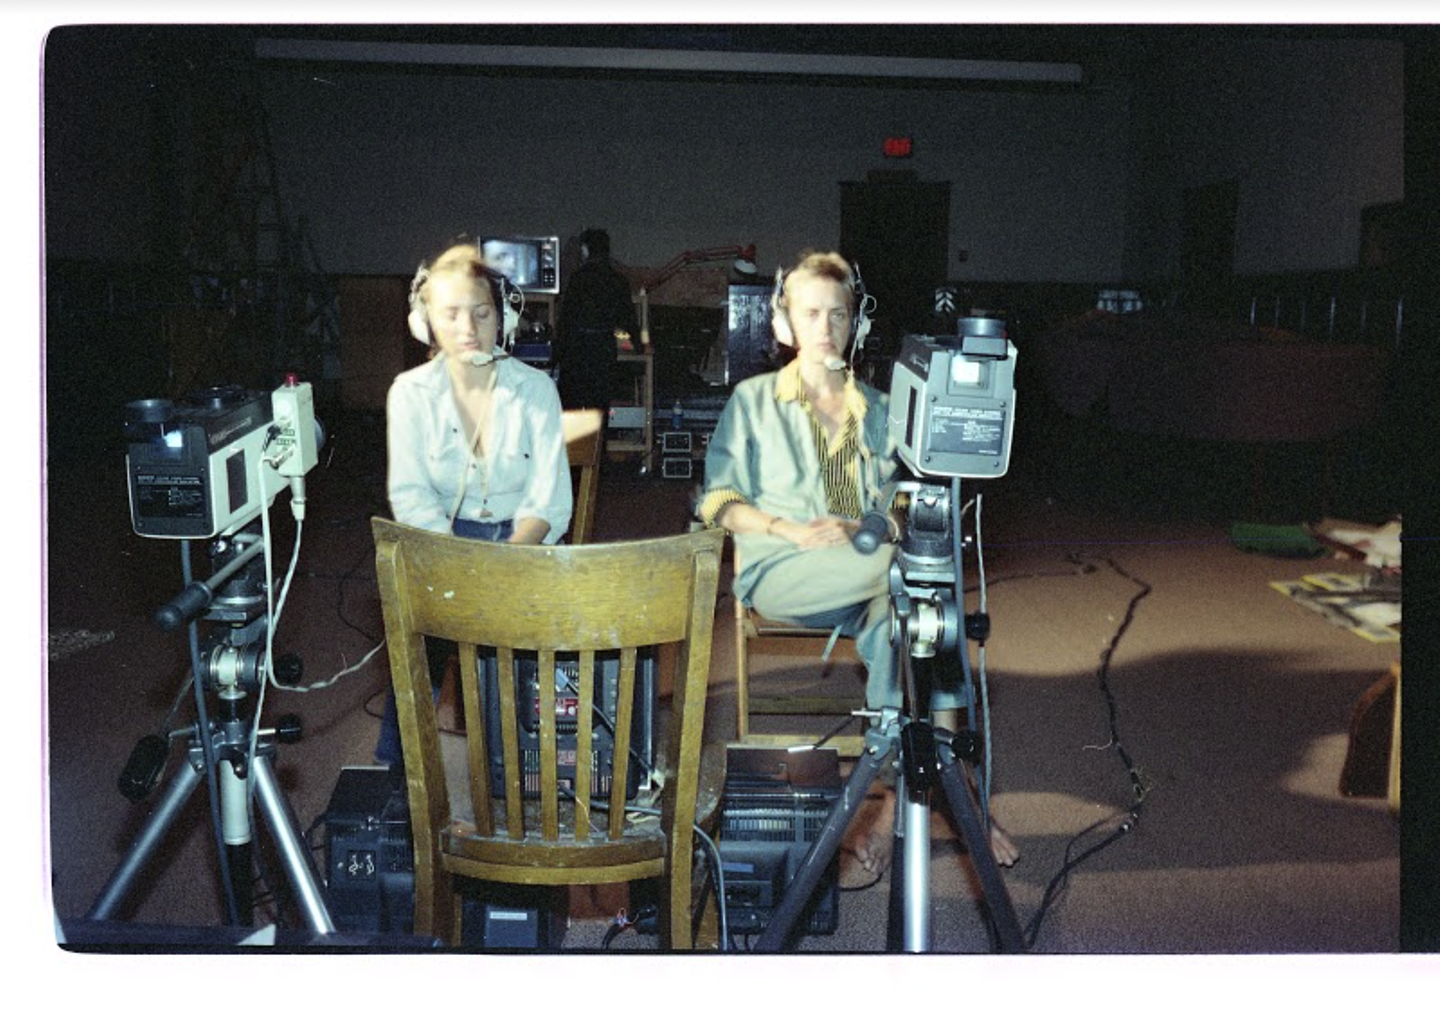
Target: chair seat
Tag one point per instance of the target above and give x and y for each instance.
(537, 861)
(756, 633)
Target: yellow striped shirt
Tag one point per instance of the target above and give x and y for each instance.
(839, 462)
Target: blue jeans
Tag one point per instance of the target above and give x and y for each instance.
(437, 651)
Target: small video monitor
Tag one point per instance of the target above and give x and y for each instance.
(532, 263)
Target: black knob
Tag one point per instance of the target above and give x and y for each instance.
(289, 668)
(143, 769)
(289, 729)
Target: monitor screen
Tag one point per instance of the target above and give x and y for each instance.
(531, 262)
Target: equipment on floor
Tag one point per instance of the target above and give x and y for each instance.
(567, 674)
(370, 873)
(774, 805)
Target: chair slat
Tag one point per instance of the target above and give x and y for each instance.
(510, 746)
(620, 766)
(476, 742)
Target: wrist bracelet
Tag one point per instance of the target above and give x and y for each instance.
(770, 527)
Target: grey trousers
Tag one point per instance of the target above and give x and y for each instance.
(840, 587)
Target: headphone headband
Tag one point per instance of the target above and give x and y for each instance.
(508, 298)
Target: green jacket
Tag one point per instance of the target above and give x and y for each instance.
(762, 449)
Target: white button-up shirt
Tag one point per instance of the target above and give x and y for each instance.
(526, 471)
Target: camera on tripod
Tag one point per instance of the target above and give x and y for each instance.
(208, 464)
(952, 400)
(952, 414)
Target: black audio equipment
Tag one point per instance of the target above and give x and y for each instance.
(567, 676)
(774, 804)
(370, 889)
(370, 872)
(676, 456)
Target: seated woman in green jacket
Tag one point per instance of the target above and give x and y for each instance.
(797, 458)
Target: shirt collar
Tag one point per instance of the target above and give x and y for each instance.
(789, 388)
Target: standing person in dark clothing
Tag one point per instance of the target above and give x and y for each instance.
(595, 304)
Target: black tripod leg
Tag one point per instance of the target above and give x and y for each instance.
(992, 885)
(807, 876)
(151, 833)
(298, 867)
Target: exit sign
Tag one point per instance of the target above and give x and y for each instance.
(899, 147)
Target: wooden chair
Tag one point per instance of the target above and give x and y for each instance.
(575, 600)
(755, 633)
(585, 442)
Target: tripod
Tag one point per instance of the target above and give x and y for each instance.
(925, 757)
(227, 747)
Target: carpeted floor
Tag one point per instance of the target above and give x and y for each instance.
(1133, 643)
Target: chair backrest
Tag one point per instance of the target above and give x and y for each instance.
(585, 443)
(540, 601)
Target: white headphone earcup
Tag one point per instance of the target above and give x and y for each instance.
(419, 324)
(779, 320)
(781, 325)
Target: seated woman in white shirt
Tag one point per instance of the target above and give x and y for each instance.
(474, 438)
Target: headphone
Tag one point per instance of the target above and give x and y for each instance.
(504, 293)
(859, 319)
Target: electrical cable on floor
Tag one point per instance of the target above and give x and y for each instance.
(1132, 814)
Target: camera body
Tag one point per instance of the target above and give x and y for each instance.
(207, 465)
(952, 401)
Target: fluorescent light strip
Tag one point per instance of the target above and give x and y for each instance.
(575, 57)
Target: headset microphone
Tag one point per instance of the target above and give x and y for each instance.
(479, 358)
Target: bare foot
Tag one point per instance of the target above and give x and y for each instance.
(1003, 847)
(875, 840)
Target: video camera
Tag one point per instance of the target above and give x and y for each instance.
(952, 401)
(208, 464)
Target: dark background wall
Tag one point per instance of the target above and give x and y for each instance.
(1253, 152)
(1059, 184)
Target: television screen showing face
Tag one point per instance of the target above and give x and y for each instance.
(515, 260)
(530, 263)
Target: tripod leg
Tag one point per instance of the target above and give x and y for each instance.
(235, 831)
(298, 867)
(154, 829)
(916, 844)
(827, 842)
(908, 924)
(992, 885)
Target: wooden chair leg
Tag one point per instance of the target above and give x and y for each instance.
(436, 904)
(676, 922)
